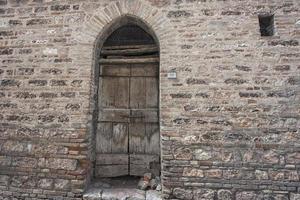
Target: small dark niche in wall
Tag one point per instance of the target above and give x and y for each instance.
(266, 23)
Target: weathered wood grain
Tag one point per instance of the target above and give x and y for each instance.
(137, 137)
(137, 92)
(112, 159)
(128, 47)
(149, 115)
(114, 93)
(143, 163)
(123, 61)
(131, 51)
(111, 170)
(151, 92)
(120, 138)
(114, 115)
(152, 137)
(104, 138)
(144, 69)
(113, 70)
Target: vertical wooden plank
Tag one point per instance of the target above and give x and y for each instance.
(100, 93)
(122, 93)
(137, 138)
(114, 93)
(104, 138)
(137, 92)
(120, 138)
(151, 92)
(106, 97)
(152, 144)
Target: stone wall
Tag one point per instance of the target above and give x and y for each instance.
(229, 122)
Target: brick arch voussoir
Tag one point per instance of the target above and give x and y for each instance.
(101, 19)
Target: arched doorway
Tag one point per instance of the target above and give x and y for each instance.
(127, 135)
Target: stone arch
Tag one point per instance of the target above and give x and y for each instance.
(93, 32)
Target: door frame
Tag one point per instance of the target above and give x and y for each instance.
(89, 37)
(117, 23)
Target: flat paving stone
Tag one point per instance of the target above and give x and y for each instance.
(123, 194)
(153, 195)
(119, 189)
(93, 194)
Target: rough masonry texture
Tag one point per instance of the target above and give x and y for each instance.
(229, 123)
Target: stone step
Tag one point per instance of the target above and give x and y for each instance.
(121, 194)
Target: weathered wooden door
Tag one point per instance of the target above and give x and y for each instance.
(128, 138)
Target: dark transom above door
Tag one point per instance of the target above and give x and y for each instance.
(128, 138)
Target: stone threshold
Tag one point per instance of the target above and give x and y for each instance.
(124, 188)
(121, 194)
